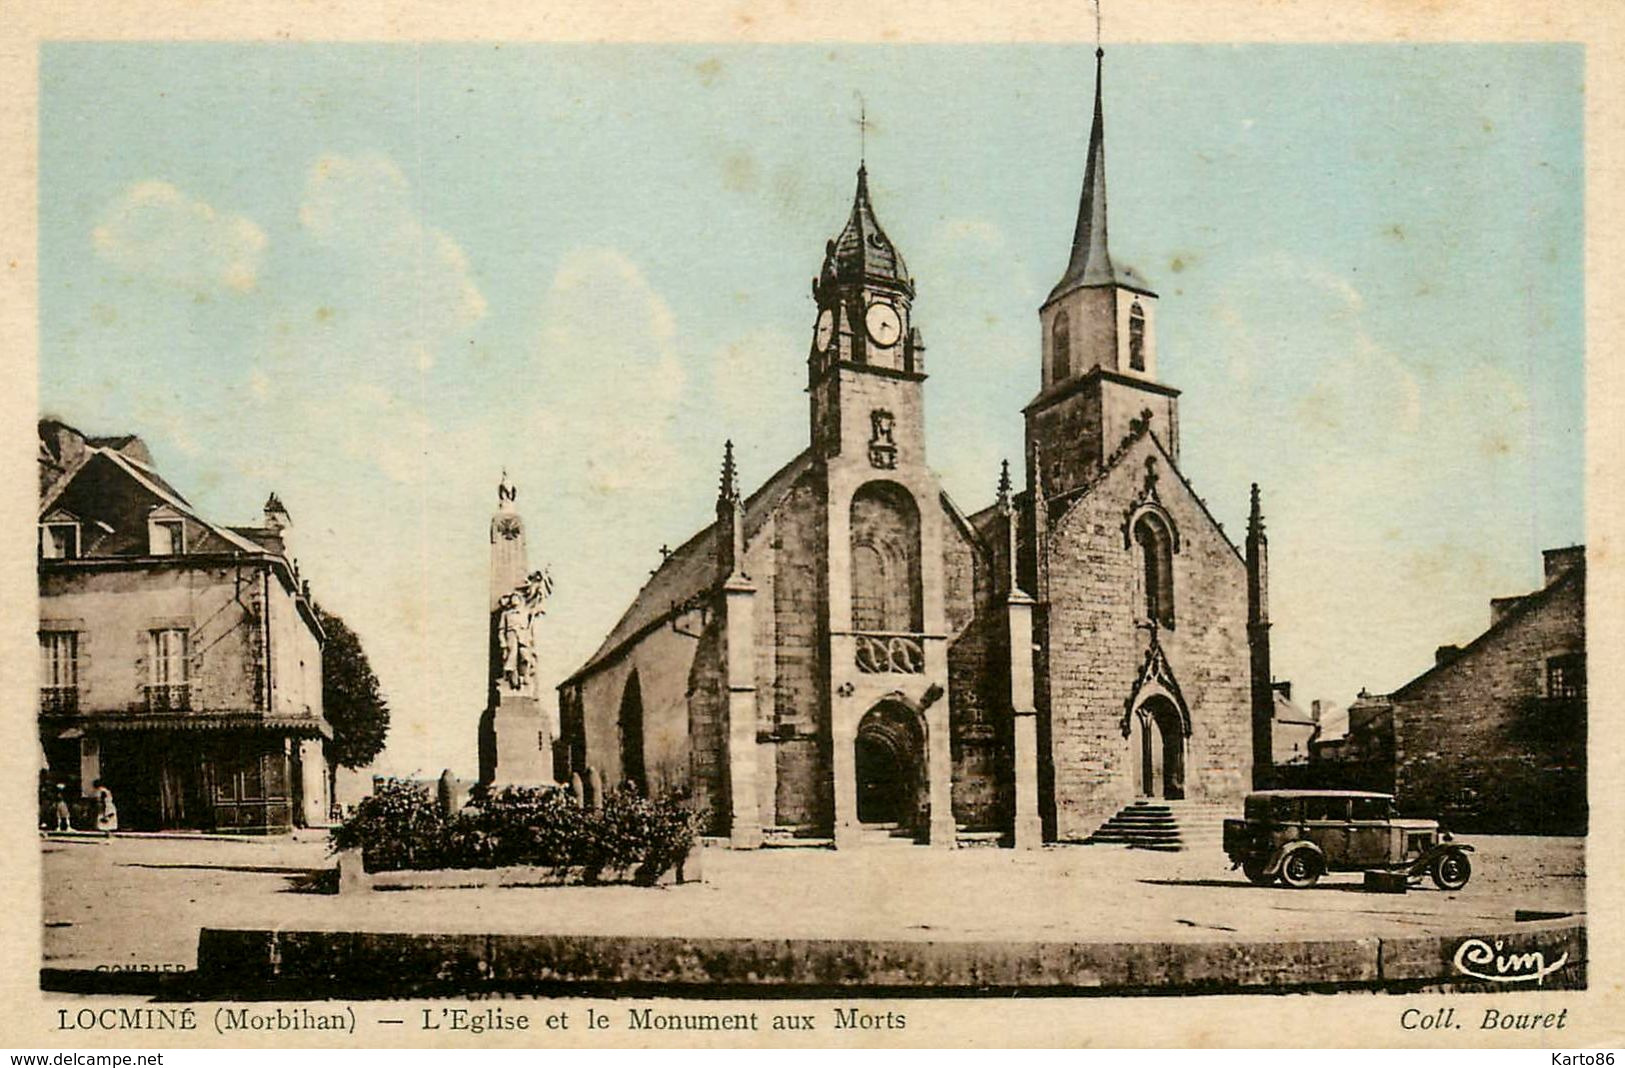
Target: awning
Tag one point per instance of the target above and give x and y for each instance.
(111, 722)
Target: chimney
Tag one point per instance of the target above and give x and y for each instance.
(1500, 606)
(1560, 562)
(277, 519)
(1314, 710)
(1444, 654)
(276, 516)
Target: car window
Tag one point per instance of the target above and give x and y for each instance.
(1370, 808)
(1257, 808)
(1284, 809)
(1325, 808)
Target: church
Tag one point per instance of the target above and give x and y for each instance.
(848, 655)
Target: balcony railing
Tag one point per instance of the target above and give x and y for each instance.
(59, 700)
(173, 697)
(898, 654)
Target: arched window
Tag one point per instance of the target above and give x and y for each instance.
(1136, 337)
(886, 592)
(1156, 569)
(1060, 348)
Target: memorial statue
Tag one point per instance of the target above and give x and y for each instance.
(516, 628)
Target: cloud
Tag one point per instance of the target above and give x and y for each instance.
(158, 231)
(609, 369)
(408, 284)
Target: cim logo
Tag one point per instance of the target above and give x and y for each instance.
(1481, 960)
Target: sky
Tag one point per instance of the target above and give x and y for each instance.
(370, 278)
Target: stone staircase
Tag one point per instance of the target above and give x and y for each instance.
(1165, 826)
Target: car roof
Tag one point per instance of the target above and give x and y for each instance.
(1319, 793)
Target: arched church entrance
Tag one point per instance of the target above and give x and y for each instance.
(630, 722)
(1162, 750)
(891, 767)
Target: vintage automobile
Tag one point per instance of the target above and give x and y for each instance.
(1299, 835)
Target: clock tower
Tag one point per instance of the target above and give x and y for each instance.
(867, 363)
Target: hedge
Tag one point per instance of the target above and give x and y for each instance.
(401, 827)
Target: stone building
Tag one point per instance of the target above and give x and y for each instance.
(1294, 731)
(1492, 738)
(180, 659)
(847, 653)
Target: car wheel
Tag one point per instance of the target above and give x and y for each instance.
(1300, 870)
(1257, 871)
(1451, 871)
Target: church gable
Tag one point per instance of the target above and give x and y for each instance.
(1147, 605)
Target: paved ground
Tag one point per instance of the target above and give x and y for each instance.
(126, 902)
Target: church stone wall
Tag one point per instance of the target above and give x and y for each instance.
(792, 672)
(1066, 434)
(708, 728)
(978, 683)
(1096, 650)
(663, 659)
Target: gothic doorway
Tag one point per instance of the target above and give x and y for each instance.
(891, 767)
(1162, 750)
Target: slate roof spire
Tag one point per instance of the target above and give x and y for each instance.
(863, 253)
(1091, 261)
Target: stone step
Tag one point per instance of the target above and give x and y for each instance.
(1163, 826)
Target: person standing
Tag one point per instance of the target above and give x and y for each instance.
(106, 810)
(64, 818)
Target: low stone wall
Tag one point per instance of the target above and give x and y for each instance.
(360, 964)
(354, 878)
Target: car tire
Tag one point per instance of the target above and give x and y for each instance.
(1451, 871)
(1300, 869)
(1257, 871)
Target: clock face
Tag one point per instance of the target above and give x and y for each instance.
(885, 325)
(826, 329)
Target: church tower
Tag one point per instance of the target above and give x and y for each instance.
(888, 659)
(1099, 367)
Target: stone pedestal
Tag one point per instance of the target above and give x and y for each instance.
(516, 728)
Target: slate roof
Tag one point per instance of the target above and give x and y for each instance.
(1091, 261)
(690, 570)
(863, 252)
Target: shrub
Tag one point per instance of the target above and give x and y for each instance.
(402, 827)
(399, 826)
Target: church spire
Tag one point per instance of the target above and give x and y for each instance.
(1091, 262)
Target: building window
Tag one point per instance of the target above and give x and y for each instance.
(1566, 677)
(166, 537)
(169, 685)
(59, 671)
(1060, 348)
(59, 541)
(1156, 569)
(1136, 337)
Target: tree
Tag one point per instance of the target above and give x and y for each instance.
(351, 699)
